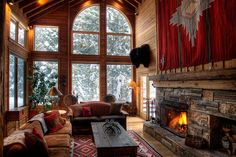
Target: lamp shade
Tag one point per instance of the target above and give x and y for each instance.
(54, 91)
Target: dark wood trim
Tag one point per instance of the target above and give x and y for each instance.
(26, 3)
(2, 50)
(203, 75)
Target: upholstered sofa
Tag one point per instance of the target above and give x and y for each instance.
(58, 143)
(87, 112)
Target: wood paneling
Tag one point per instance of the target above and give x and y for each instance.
(2, 50)
(146, 32)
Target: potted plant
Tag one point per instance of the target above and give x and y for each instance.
(40, 83)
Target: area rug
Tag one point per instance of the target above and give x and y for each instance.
(84, 146)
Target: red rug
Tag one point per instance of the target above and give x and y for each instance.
(84, 146)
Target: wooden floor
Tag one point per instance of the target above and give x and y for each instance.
(136, 124)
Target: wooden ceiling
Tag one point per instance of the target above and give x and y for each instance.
(35, 8)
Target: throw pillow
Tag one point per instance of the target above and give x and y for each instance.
(86, 111)
(53, 122)
(77, 110)
(61, 119)
(115, 108)
(35, 145)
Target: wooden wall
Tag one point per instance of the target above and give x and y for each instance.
(15, 48)
(2, 50)
(146, 33)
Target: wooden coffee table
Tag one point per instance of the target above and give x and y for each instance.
(111, 145)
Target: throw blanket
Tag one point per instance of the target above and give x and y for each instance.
(17, 136)
(40, 118)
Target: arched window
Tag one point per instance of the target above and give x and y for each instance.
(86, 32)
(118, 33)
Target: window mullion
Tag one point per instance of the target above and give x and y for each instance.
(15, 82)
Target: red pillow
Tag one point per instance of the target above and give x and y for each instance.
(53, 122)
(86, 110)
(35, 145)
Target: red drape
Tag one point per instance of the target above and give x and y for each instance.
(168, 35)
(197, 54)
(223, 29)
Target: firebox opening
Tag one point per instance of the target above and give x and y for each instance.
(174, 117)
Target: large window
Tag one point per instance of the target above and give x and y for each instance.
(13, 29)
(85, 81)
(118, 33)
(88, 40)
(49, 68)
(86, 32)
(21, 36)
(46, 38)
(16, 82)
(118, 77)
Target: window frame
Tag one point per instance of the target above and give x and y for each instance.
(103, 59)
(47, 26)
(16, 58)
(18, 25)
(86, 32)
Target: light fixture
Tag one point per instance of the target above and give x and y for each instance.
(54, 93)
(10, 2)
(132, 84)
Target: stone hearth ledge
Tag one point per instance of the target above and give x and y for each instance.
(177, 144)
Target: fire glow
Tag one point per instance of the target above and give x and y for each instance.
(179, 122)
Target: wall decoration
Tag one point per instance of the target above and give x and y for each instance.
(140, 55)
(193, 32)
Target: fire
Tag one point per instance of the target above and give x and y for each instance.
(180, 120)
(183, 118)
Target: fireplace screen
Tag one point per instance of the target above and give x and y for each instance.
(174, 117)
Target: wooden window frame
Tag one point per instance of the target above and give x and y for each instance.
(16, 82)
(102, 58)
(47, 26)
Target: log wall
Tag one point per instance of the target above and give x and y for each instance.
(2, 50)
(13, 47)
(146, 33)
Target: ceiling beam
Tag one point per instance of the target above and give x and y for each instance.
(47, 7)
(25, 3)
(127, 5)
(138, 1)
(75, 2)
(133, 3)
(34, 6)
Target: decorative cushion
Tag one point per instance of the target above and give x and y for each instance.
(116, 108)
(35, 145)
(77, 110)
(86, 111)
(53, 122)
(99, 108)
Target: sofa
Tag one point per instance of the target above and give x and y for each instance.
(95, 111)
(57, 143)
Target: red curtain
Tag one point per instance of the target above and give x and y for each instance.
(215, 36)
(223, 29)
(168, 35)
(197, 54)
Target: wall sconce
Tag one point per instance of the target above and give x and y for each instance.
(10, 2)
(132, 84)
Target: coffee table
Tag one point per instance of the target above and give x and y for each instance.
(112, 145)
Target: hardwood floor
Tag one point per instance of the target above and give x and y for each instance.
(136, 124)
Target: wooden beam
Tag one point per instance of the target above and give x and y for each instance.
(2, 50)
(26, 3)
(203, 84)
(76, 2)
(133, 3)
(44, 8)
(31, 7)
(138, 1)
(203, 75)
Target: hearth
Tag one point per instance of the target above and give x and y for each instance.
(173, 117)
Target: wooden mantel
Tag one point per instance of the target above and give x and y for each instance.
(218, 79)
(226, 74)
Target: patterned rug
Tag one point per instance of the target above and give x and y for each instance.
(84, 146)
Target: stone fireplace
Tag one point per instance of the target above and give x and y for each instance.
(173, 117)
(210, 113)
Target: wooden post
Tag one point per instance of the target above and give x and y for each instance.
(2, 51)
